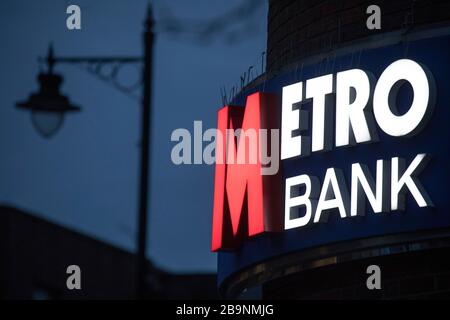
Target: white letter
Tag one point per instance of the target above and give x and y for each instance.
(374, 281)
(334, 197)
(362, 179)
(74, 20)
(74, 280)
(184, 146)
(293, 201)
(210, 149)
(293, 120)
(274, 158)
(384, 102)
(374, 20)
(246, 153)
(409, 180)
(198, 142)
(318, 89)
(354, 114)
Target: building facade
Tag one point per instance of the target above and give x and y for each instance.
(35, 255)
(410, 244)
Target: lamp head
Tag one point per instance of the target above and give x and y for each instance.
(48, 106)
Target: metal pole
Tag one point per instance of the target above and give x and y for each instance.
(145, 155)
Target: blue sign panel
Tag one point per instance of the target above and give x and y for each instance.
(434, 140)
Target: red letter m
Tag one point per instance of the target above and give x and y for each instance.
(246, 203)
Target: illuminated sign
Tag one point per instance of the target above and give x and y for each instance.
(246, 203)
(347, 107)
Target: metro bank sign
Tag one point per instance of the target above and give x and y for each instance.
(347, 110)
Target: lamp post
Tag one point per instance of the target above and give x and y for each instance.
(48, 107)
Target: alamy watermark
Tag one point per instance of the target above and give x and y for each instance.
(73, 21)
(243, 147)
(374, 280)
(373, 22)
(73, 281)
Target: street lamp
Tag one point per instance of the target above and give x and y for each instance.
(48, 108)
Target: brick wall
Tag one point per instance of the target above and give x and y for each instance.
(300, 28)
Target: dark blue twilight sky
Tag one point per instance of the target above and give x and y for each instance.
(85, 177)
